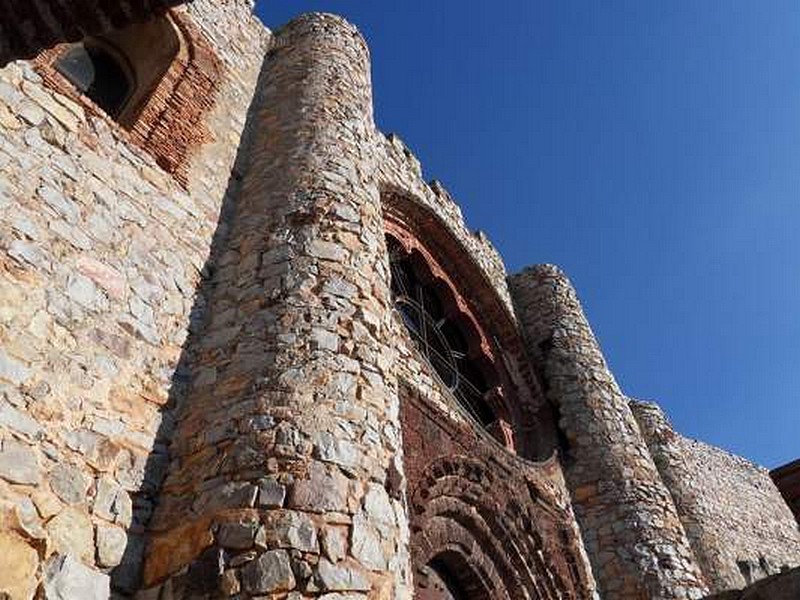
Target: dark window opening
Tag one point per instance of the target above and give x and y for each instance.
(99, 74)
(438, 337)
(120, 70)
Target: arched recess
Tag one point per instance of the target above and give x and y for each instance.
(525, 420)
(142, 53)
(173, 76)
(487, 536)
(450, 575)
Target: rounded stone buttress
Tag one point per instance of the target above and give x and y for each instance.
(286, 470)
(632, 533)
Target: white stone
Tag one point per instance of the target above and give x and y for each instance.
(366, 544)
(26, 252)
(12, 370)
(341, 578)
(18, 463)
(71, 532)
(81, 290)
(111, 543)
(65, 578)
(18, 421)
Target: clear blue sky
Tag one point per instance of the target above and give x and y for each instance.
(652, 149)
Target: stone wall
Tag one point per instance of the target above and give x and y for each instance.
(783, 586)
(102, 256)
(201, 367)
(631, 530)
(287, 453)
(738, 524)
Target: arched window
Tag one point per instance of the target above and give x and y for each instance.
(101, 74)
(437, 333)
(119, 70)
(158, 80)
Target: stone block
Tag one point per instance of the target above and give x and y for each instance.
(271, 494)
(69, 484)
(269, 572)
(18, 463)
(341, 577)
(238, 535)
(65, 578)
(365, 543)
(334, 543)
(324, 490)
(19, 565)
(18, 421)
(111, 544)
(72, 533)
(11, 369)
(291, 529)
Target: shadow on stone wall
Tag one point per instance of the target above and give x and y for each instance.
(126, 578)
(784, 586)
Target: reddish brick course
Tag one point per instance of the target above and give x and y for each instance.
(170, 124)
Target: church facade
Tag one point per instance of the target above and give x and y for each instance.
(247, 351)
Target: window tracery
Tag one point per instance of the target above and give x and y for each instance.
(435, 330)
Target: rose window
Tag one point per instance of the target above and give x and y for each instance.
(434, 327)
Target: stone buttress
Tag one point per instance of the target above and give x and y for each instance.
(634, 538)
(286, 473)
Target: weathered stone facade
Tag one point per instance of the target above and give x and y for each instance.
(210, 385)
(739, 526)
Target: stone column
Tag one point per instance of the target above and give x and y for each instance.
(286, 472)
(634, 538)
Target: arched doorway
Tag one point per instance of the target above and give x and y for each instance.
(448, 576)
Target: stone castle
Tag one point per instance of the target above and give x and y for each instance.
(248, 352)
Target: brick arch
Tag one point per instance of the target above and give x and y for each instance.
(519, 401)
(169, 121)
(459, 506)
(465, 572)
(172, 125)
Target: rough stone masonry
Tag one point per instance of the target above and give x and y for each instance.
(247, 351)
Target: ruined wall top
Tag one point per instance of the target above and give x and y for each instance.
(738, 524)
